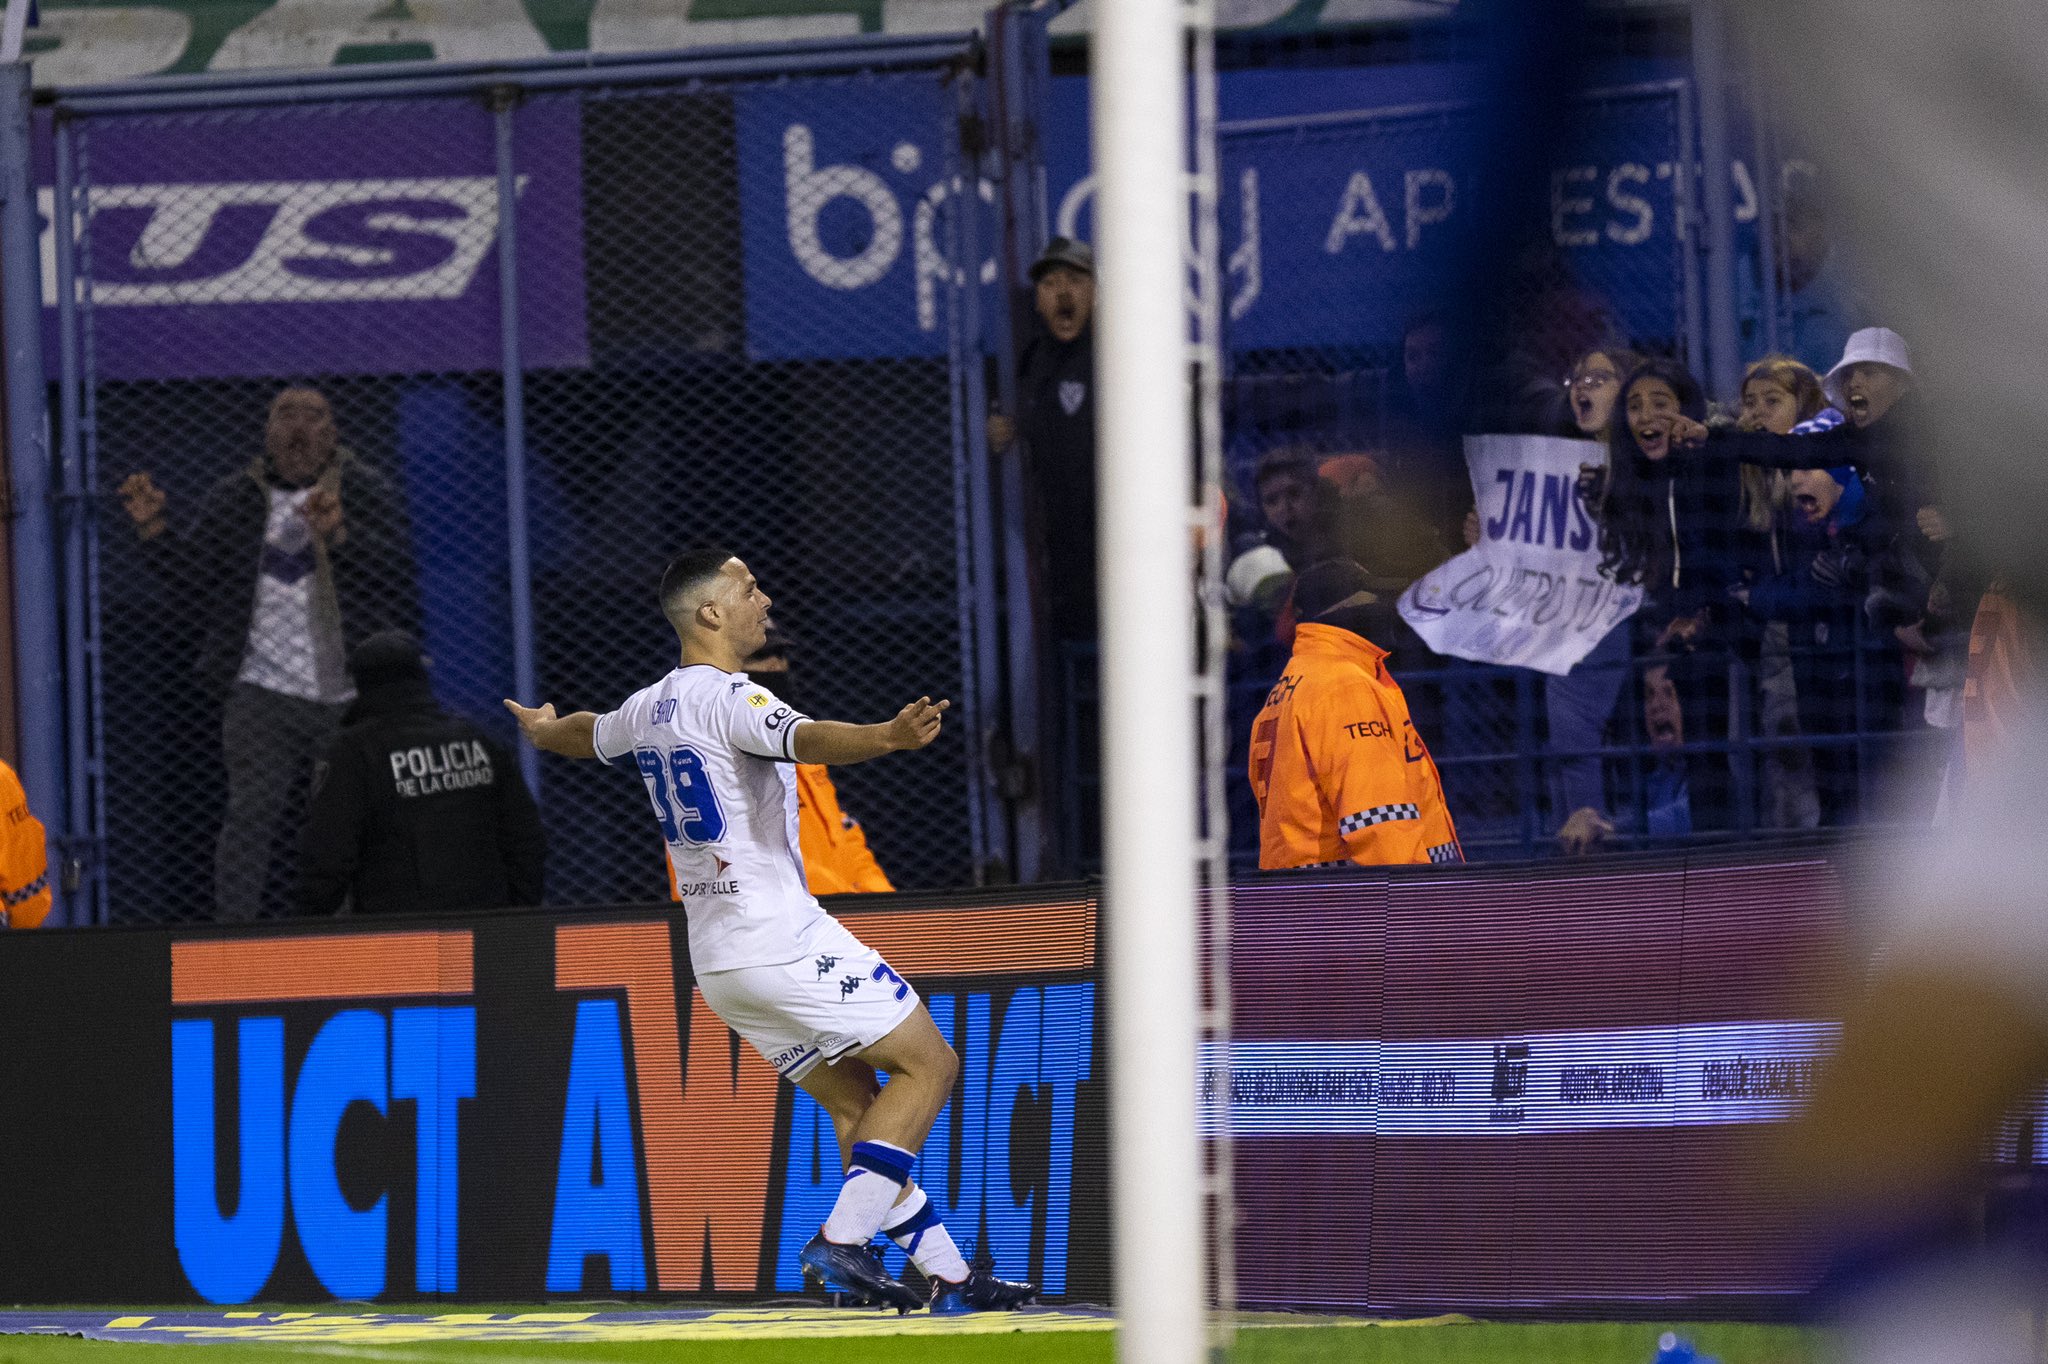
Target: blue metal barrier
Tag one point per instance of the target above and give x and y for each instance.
(39, 691)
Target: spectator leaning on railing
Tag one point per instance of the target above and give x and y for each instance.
(1665, 794)
(1778, 393)
(1884, 442)
(1666, 522)
(1580, 705)
(291, 561)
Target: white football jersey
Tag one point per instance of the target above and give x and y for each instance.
(716, 753)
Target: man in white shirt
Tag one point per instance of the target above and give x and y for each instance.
(288, 563)
(716, 752)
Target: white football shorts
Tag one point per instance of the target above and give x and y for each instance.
(838, 999)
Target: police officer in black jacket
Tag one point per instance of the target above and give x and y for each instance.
(414, 810)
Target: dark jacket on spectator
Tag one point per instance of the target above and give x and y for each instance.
(1889, 456)
(1711, 547)
(1886, 455)
(416, 811)
(1845, 674)
(1056, 419)
(1820, 589)
(213, 566)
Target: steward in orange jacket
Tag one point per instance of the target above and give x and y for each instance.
(837, 860)
(24, 858)
(836, 856)
(1340, 773)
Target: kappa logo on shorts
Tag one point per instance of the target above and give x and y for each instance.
(848, 985)
(825, 965)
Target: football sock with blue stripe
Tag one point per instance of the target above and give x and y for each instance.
(914, 1224)
(875, 1178)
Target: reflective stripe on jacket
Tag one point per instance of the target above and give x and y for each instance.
(1340, 773)
(24, 858)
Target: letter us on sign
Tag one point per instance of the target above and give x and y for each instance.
(340, 239)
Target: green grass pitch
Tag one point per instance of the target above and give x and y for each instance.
(1265, 1339)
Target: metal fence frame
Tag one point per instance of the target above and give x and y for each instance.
(30, 470)
(63, 742)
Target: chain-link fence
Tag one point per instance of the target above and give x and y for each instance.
(1358, 354)
(730, 302)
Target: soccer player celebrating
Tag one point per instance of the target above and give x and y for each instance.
(716, 753)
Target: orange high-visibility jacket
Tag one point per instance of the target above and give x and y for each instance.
(1338, 769)
(835, 848)
(24, 858)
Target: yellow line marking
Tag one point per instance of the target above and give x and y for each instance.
(744, 1324)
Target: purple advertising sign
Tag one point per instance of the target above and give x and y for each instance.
(1524, 1087)
(332, 239)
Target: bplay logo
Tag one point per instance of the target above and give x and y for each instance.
(281, 241)
(812, 193)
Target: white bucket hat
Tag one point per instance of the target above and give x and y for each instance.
(1872, 345)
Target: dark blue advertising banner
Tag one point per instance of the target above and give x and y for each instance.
(510, 1107)
(846, 203)
(1338, 228)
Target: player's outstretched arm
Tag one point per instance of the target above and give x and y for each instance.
(836, 744)
(568, 735)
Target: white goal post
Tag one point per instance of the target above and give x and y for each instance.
(1149, 763)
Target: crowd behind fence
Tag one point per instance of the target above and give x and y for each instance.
(737, 298)
(1800, 654)
(1806, 634)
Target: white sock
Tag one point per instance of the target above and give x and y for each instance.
(874, 1181)
(914, 1225)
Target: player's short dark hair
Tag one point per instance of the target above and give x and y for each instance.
(687, 573)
